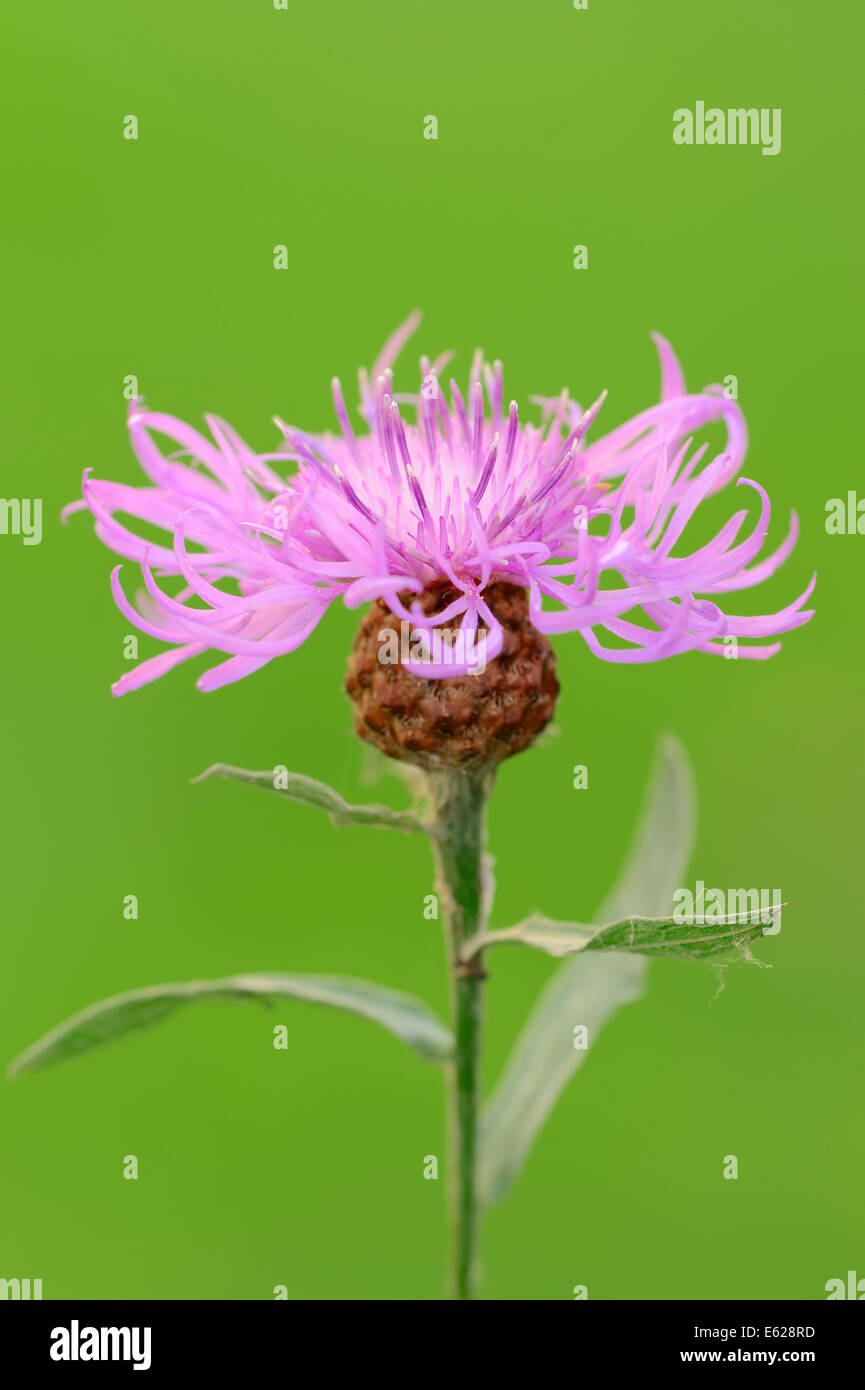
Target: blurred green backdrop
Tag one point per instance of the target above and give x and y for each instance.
(155, 258)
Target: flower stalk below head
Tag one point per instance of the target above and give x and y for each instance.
(459, 813)
(457, 730)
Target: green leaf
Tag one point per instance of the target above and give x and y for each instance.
(555, 938)
(715, 940)
(297, 787)
(589, 988)
(403, 1015)
(692, 939)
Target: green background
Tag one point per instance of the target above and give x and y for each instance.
(154, 257)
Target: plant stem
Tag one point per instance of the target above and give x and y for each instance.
(459, 805)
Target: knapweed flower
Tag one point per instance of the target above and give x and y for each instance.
(448, 494)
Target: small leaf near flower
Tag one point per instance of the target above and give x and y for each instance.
(309, 792)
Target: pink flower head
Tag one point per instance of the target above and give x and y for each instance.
(463, 492)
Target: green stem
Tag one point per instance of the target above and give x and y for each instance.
(459, 804)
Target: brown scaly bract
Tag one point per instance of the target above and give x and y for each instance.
(464, 722)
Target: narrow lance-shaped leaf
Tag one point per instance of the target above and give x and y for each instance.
(716, 939)
(295, 786)
(713, 939)
(589, 988)
(406, 1017)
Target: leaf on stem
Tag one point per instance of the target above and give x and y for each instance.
(718, 940)
(406, 1017)
(589, 988)
(309, 792)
